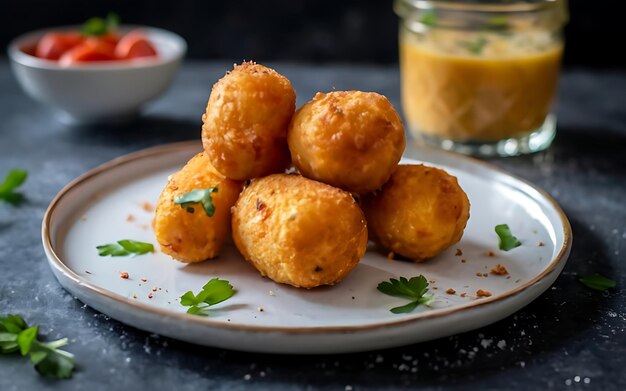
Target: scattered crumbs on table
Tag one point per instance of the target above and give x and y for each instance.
(166, 291)
(508, 277)
(260, 309)
(540, 244)
(499, 270)
(130, 217)
(150, 295)
(124, 275)
(147, 206)
(144, 279)
(518, 280)
(485, 275)
(390, 255)
(491, 254)
(482, 293)
(154, 289)
(272, 293)
(352, 297)
(432, 281)
(450, 291)
(134, 296)
(87, 271)
(435, 288)
(479, 274)
(463, 260)
(463, 294)
(458, 252)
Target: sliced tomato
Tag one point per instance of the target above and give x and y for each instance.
(134, 45)
(111, 38)
(52, 45)
(89, 51)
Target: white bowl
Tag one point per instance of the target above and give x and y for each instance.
(97, 92)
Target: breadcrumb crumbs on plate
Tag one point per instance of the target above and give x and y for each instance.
(463, 294)
(130, 217)
(458, 252)
(124, 275)
(499, 270)
(450, 291)
(134, 296)
(260, 309)
(147, 206)
(150, 295)
(144, 279)
(87, 271)
(390, 255)
(482, 293)
(540, 244)
(154, 289)
(491, 254)
(463, 260)
(479, 274)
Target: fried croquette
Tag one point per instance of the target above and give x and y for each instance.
(186, 231)
(244, 130)
(418, 213)
(298, 231)
(348, 139)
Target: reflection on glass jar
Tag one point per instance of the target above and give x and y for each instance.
(480, 77)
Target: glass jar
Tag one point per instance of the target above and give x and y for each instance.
(480, 77)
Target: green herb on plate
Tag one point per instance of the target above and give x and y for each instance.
(15, 335)
(498, 21)
(507, 240)
(476, 46)
(597, 282)
(198, 196)
(412, 289)
(124, 248)
(99, 26)
(13, 180)
(213, 292)
(429, 18)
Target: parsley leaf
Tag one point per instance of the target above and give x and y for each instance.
(213, 292)
(429, 18)
(125, 247)
(12, 181)
(412, 289)
(476, 46)
(198, 196)
(507, 240)
(99, 26)
(15, 336)
(597, 282)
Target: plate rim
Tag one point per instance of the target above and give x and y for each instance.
(55, 261)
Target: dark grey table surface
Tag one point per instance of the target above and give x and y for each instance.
(569, 338)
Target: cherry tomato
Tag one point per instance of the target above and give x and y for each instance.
(52, 45)
(90, 50)
(134, 45)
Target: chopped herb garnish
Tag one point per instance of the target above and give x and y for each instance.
(507, 240)
(124, 248)
(12, 181)
(413, 289)
(429, 18)
(213, 292)
(597, 282)
(198, 196)
(476, 46)
(15, 335)
(498, 21)
(99, 26)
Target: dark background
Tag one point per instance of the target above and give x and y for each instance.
(299, 30)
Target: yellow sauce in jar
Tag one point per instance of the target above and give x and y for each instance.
(478, 86)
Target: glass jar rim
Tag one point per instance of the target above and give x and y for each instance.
(457, 14)
(484, 6)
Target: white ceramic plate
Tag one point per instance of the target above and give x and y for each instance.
(109, 203)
